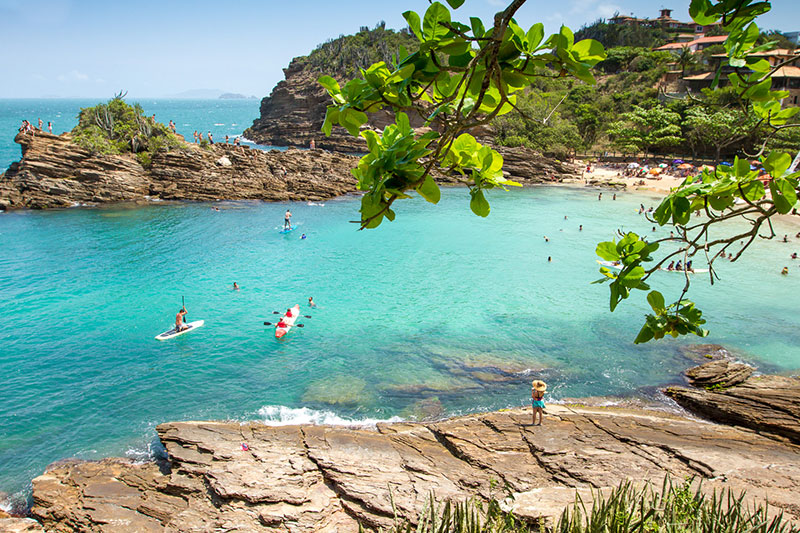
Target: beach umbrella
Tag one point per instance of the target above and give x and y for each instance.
(677, 161)
(685, 166)
(710, 168)
(663, 165)
(726, 164)
(655, 171)
(633, 165)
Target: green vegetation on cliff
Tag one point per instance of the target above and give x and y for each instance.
(117, 127)
(344, 56)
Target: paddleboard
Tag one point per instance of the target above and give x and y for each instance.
(171, 333)
(289, 321)
(610, 264)
(287, 230)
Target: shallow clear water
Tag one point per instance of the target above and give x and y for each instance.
(220, 117)
(424, 308)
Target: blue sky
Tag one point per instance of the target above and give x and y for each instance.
(87, 48)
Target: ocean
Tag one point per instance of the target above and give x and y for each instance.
(438, 313)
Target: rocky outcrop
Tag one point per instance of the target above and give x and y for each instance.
(55, 172)
(729, 394)
(224, 476)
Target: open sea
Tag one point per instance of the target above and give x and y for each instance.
(438, 313)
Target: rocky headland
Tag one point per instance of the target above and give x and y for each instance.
(56, 172)
(230, 476)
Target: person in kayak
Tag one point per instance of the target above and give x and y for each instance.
(281, 324)
(289, 313)
(287, 220)
(179, 325)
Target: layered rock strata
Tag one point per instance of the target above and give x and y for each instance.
(727, 392)
(55, 172)
(224, 476)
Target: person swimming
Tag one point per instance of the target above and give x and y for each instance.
(235, 286)
(303, 236)
(311, 302)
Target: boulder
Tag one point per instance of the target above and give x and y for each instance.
(719, 373)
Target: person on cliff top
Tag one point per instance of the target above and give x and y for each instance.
(40, 124)
(179, 325)
(287, 220)
(195, 136)
(236, 141)
(50, 127)
(210, 138)
(226, 139)
(538, 388)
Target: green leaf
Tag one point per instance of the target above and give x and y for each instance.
(784, 195)
(645, 335)
(455, 4)
(414, 23)
(432, 28)
(699, 11)
(535, 36)
(331, 116)
(429, 190)
(656, 301)
(777, 163)
(608, 251)
(478, 203)
(477, 27)
(589, 51)
(330, 84)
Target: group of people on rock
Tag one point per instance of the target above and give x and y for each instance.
(198, 137)
(27, 127)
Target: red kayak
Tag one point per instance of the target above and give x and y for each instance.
(288, 319)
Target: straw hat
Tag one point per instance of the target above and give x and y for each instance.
(539, 385)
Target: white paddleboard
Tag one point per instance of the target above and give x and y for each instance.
(170, 334)
(610, 264)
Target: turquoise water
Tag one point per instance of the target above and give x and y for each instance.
(220, 117)
(425, 308)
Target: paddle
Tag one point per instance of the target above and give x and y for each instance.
(294, 326)
(278, 312)
(183, 305)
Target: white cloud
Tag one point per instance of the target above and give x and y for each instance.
(73, 75)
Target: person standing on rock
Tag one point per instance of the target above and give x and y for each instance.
(40, 124)
(210, 138)
(226, 139)
(312, 144)
(538, 388)
(50, 127)
(287, 220)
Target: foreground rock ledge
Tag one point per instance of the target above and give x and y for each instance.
(323, 478)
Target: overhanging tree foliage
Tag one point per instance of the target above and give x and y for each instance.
(464, 76)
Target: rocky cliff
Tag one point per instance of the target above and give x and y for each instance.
(55, 172)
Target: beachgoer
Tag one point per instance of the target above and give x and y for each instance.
(235, 286)
(538, 388)
(226, 139)
(311, 302)
(179, 325)
(689, 266)
(210, 138)
(794, 255)
(671, 265)
(236, 141)
(671, 235)
(565, 217)
(287, 220)
(785, 238)
(797, 236)
(303, 236)
(546, 239)
(195, 136)
(281, 323)
(600, 196)
(289, 313)
(50, 127)
(614, 197)
(678, 265)
(40, 124)
(312, 144)
(549, 259)
(785, 271)
(580, 228)
(654, 228)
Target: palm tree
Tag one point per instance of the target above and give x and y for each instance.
(685, 59)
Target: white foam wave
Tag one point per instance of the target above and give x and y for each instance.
(280, 415)
(218, 124)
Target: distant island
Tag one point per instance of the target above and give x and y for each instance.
(236, 96)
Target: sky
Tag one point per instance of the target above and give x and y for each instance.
(88, 48)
